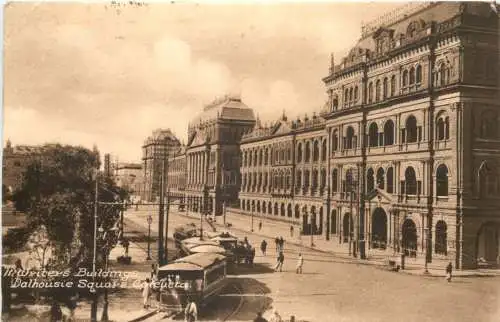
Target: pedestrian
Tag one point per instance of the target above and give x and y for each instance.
(263, 247)
(449, 269)
(276, 317)
(259, 318)
(279, 263)
(191, 311)
(55, 312)
(153, 271)
(146, 292)
(260, 225)
(300, 263)
(291, 231)
(282, 244)
(277, 241)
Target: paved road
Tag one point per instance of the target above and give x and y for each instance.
(332, 290)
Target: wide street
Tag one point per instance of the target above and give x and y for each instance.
(333, 290)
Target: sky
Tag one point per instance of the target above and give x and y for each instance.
(86, 74)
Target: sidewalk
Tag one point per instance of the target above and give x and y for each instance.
(127, 305)
(272, 229)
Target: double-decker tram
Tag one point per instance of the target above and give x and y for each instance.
(198, 277)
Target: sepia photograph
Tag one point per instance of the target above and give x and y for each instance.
(280, 161)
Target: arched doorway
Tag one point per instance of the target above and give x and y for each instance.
(488, 241)
(347, 226)
(379, 229)
(409, 238)
(289, 211)
(333, 222)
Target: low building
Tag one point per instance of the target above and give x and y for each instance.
(129, 176)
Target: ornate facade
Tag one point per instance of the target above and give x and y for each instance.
(404, 156)
(156, 149)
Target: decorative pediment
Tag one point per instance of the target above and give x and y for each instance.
(281, 128)
(199, 138)
(379, 195)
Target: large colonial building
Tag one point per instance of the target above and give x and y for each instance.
(404, 156)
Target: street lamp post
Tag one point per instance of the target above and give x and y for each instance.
(150, 220)
(427, 249)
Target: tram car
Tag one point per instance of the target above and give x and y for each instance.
(242, 250)
(199, 277)
(185, 231)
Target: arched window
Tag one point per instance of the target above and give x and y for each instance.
(322, 181)
(442, 181)
(489, 125)
(316, 151)
(335, 140)
(385, 90)
(418, 74)
(307, 178)
(405, 78)
(373, 134)
(356, 93)
(323, 150)
(393, 85)
(370, 92)
(412, 76)
(389, 132)
(335, 102)
(443, 75)
(308, 152)
(265, 181)
(370, 180)
(410, 181)
(351, 97)
(390, 180)
(299, 179)
(440, 129)
(441, 238)
(346, 96)
(411, 129)
(349, 139)
(315, 179)
(380, 178)
(335, 179)
(299, 152)
(377, 91)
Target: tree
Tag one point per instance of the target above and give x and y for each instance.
(58, 193)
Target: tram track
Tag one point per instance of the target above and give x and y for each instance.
(246, 304)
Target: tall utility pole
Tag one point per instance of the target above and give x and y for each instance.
(167, 209)
(93, 309)
(161, 212)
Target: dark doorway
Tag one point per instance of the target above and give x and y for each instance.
(379, 229)
(410, 238)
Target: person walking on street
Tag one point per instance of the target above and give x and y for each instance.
(300, 263)
(263, 247)
(282, 244)
(146, 291)
(277, 241)
(449, 269)
(260, 225)
(280, 260)
(259, 318)
(291, 231)
(191, 311)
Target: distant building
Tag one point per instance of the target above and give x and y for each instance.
(157, 147)
(15, 161)
(129, 176)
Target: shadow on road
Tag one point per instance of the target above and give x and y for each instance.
(257, 268)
